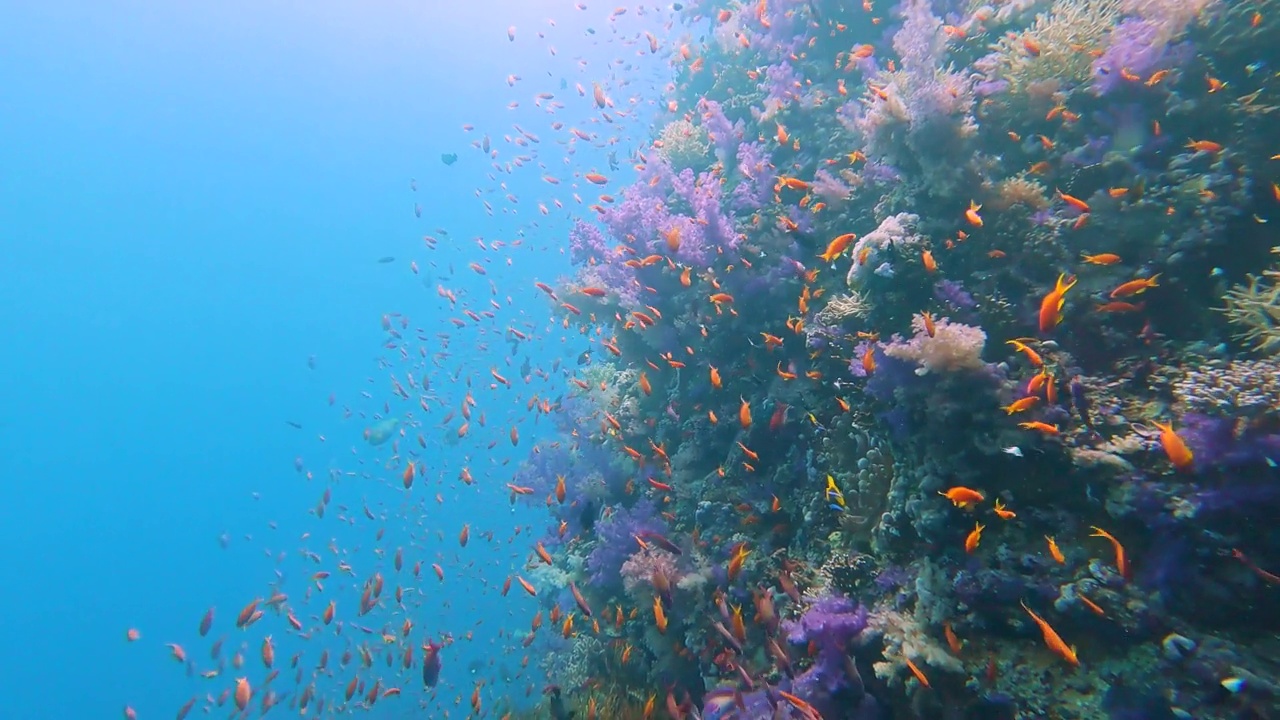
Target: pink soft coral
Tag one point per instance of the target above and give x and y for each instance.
(639, 569)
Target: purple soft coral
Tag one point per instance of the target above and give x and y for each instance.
(830, 624)
(1134, 51)
(615, 541)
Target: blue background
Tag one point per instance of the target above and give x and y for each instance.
(193, 198)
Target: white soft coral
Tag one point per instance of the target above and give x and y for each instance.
(951, 347)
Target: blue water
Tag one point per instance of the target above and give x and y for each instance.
(193, 199)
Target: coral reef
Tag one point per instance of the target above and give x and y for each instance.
(941, 412)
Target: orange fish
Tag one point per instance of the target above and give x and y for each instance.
(869, 360)
(972, 214)
(1052, 639)
(1101, 258)
(1119, 307)
(930, 265)
(268, 652)
(1174, 447)
(1020, 405)
(1135, 287)
(1022, 347)
(1051, 306)
(243, 693)
(971, 542)
(837, 246)
(1002, 512)
(1205, 146)
(916, 671)
(953, 642)
(1122, 564)
(744, 414)
(962, 496)
(541, 550)
(1054, 551)
(581, 601)
(659, 616)
(527, 587)
(1074, 202)
(1093, 606)
(735, 563)
(927, 321)
(672, 237)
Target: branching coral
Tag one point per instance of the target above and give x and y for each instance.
(1232, 388)
(1254, 308)
(1055, 48)
(841, 307)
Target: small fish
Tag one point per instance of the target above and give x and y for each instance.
(1121, 563)
(1052, 640)
(919, 675)
(386, 259)
(1021, 404)
(1175, 448)
(1055, 551)
(1013, 450)
(834, 495)
(1135, 287)
(974, 537)
(293, 424)
(1101, 258)
(448, 158)
(1051, 306)
(972, 214)
(962, 496)
(953, 642)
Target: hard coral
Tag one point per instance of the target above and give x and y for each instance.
(1254, 308)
